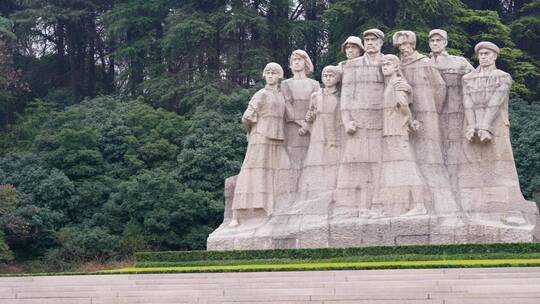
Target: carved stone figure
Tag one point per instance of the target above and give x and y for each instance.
(379, 174)
(452, 69)
(488, 179)
(322, 123)
(429, 91)
(261, 177)
(361, 109)
(297, 93)
(403, 190)
(373, 42)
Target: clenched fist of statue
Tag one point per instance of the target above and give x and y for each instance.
(310, 116)
(484, 135)
(351, 128)
(470, 133)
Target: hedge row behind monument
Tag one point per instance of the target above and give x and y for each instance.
(409, 150)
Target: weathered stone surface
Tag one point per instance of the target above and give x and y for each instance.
(410, 286)
(409, 150)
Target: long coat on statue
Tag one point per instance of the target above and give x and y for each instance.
(488, 180)
(361, 104)
(428, 93)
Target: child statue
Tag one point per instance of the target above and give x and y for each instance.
(403, 190)
(260, 180)
(322, 120)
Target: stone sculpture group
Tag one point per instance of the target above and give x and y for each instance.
(408, 150)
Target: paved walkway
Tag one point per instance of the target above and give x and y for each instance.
(427, 286)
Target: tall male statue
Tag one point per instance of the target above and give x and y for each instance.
(361, 110)
(488, 180)
(428, 91)
(373, 42)
(451, 114)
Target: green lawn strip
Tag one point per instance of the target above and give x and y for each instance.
(326, 253)
(307, 267)
(410, 257)
(336, 266)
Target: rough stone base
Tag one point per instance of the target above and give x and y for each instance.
(317, 231)
(319, 223)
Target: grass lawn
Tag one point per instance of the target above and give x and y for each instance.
(376, 257)
(334, 266)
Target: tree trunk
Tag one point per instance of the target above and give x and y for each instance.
(90, 56)
(278, 20)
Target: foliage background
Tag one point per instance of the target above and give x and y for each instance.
(119, 120)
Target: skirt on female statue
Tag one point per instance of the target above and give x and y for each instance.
(264, 180)
(403, 189)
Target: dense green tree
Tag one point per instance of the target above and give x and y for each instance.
(68, 33)
(526, 34)
(142, 167)
(170, 215)
(352, 17)
(212, 152)
(8, 202)
(136, 29)
(7, 7)
(526, 29)
(525, 136)
(12, 87)
(487, 26)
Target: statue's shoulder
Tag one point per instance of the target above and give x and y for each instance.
(260, 93)
(316, 94)
(286, 82)
(499, 73)
(425, 59)
(463, 59)
(470, 75)
(502, 76)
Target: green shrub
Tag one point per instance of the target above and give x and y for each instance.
(326, 253)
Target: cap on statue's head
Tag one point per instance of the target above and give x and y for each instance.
(353, 40)
(440, 32)
(487, 45)
(374, 31)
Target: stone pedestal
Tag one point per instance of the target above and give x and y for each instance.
(320, 223)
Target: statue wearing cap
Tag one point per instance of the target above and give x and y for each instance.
(361, 111)
(428, 91)
(488, 178)
(451, 114)
(373, 42)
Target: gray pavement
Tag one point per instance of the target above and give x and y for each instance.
(423, 286)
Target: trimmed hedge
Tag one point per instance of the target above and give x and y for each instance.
(381, 258)
(341, 266)
(329, 253)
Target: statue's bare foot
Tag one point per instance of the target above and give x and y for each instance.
(233, 223)
(419, 209)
